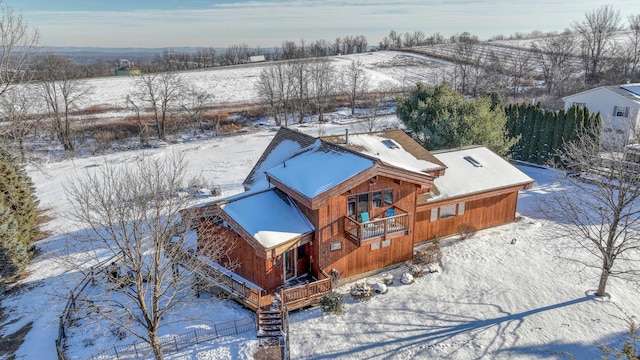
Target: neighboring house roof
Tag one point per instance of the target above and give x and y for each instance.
(319, 169)
(474, 170)
(628, 91)
(271, 217)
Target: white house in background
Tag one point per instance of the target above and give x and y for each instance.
(619, 106)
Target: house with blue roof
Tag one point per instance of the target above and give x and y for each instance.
(338, 208)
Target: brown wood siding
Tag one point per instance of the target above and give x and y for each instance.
(254, 268)
(350, 259)
(480, 213)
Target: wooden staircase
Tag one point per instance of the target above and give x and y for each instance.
(270, 323)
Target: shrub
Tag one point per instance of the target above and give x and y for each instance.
(332, 303)
(361, 291)
(430, 254)
(466, 231)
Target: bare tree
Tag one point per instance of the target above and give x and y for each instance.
(18, 43)
(275, 86)
(300, 87)
(18, 109)
(355, 83)
(632, 50)
(465, 56)
(161, 94)
(132, 212)
(596, 31)
(601, 215)
(378, 102)
(323, 81)
(194, 102)
(62, 93)
(520, 67)
(555, 56)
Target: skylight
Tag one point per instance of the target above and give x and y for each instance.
(473, 161)
(390, 144)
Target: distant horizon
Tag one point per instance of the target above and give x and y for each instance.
(267, 23)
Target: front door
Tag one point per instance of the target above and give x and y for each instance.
(289, 260)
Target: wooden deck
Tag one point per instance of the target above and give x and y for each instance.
(244, 292)
(376, 228)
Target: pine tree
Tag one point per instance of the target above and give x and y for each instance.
(13, 254)
(18, 218)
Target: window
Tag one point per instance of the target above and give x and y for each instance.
(620, 111)
(386, 243)
(434, 214)
(461, 208)
(473, 161)
(360, 203)
(351, 207)
(390, 144)
(388, 197)
(375, 245)
(336, 246)
(447, 211)
(363, 203)
(377, 199)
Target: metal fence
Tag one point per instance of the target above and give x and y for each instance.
(177, 342)
(66, 317)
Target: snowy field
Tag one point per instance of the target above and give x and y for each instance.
(491, 299)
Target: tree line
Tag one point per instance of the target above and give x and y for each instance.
(542, 134)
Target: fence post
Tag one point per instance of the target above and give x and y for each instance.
(195, 334)
(115, 351)
(235, 323)
(215, 330)
(175, 343)
(135, 349)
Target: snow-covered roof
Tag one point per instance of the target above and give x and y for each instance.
(284, 145)
(318, 170)
(270, 217)
(391, 152)
(633, 89)
(473, 170)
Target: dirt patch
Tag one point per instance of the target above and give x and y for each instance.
(268, 353)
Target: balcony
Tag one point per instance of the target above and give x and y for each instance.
(383, 227)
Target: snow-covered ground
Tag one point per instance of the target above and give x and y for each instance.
(491, 298)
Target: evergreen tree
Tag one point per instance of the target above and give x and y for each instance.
(558, 130)
(538, 119)
(18, 217)
(440, 118)
(13, 254)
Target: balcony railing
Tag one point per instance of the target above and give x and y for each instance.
(376, 228)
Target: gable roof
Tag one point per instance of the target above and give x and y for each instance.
(630, 92)
(281, 223)
(395, 150)
(473, 170)
(284, 145)
(318, 169)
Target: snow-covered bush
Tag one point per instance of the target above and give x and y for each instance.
(332, 303)
(380, 288)
(407, 279)
(361, 291)
(416, 271)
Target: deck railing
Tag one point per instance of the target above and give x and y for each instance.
(376, 228)
(251, 297)
(303, 295)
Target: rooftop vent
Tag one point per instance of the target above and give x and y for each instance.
(390, 144)
(473, 161)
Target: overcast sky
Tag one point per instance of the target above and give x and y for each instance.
(265, 23)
